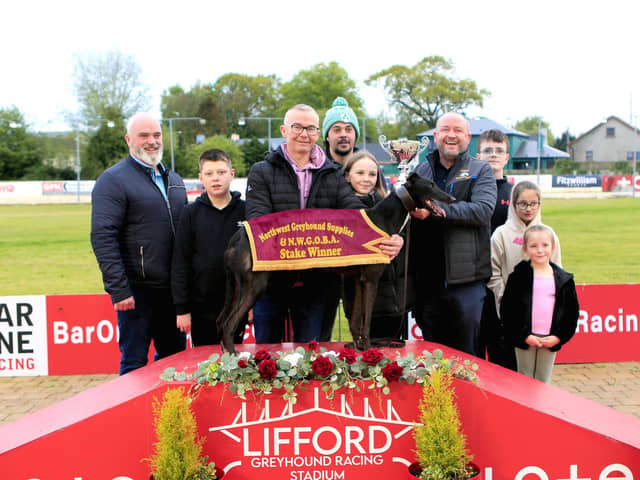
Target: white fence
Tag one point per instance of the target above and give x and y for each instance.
(553, 186)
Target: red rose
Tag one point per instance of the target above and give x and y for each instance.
(242, 363)
(262, 355)
(348, 355)
(372, 356)
(392, 371)
(322, 366)
(267, 369)
(312, 345)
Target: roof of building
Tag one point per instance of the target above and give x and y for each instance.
(612, 117)
(529, 149)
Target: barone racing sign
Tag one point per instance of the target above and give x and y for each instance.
(23, 336)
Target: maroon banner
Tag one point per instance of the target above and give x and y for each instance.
(312, 238)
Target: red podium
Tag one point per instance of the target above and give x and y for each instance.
(517, 427)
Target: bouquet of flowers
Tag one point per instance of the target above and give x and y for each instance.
(264, 371)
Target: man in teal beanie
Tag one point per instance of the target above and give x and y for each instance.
(340, 131)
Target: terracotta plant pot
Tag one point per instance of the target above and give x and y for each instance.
(414, 470)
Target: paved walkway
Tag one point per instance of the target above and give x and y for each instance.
(616, 385)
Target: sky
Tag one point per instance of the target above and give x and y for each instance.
(569, 62)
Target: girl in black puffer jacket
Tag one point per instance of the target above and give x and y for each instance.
(362, 172)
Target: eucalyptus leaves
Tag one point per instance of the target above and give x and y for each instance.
(266, 372)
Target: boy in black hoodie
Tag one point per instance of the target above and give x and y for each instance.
(206, 225)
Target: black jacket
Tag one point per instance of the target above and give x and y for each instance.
(502, 203)
(197, 272)
(272, 186)
(515, 309)
(133, 226)
(456, 249)
(390, 297)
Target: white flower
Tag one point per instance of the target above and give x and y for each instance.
(244, 355)
(293, 358)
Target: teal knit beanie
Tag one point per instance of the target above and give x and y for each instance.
(340, 112)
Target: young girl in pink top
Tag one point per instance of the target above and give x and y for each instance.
(540, 305)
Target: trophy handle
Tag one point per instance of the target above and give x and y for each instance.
(382, 140)
(424, 143)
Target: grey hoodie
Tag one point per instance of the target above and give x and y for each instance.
(506, 249)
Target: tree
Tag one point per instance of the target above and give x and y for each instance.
(562, 142)
(427, 90)
(108, 82)
(564, 166)
(223, 103)
(106, 147)
(187, 166)
(237, 95)
(319, 86)
(199, 101)
(530, 125)
(253, 150)
(19, 149)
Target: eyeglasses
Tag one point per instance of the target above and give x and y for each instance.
(489, 151)
(297, 129)
(525, 205)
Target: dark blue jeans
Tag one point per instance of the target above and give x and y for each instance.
(154, 318)
(451, 315)
(303, 302)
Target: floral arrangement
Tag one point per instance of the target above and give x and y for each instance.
(264, 371)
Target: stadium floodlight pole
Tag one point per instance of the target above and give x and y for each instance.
(242, 121)
(364, 132)
(78, 165)
(635, 156)
(539, 149)
(175, 119)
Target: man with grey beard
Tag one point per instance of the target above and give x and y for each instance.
(136, 206)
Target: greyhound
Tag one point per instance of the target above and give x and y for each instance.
(391, 214)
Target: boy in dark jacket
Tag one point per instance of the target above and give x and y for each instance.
(493, 148)
(198, 275)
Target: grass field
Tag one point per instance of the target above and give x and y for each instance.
(45, 249)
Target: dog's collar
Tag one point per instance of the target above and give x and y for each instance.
(405, 198)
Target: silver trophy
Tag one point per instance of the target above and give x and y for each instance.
(405, 152)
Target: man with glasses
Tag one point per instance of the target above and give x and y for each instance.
(296, 175)
(493, 148)
(450, 255)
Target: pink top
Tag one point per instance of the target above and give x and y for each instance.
(304, 174)
(544, 299)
